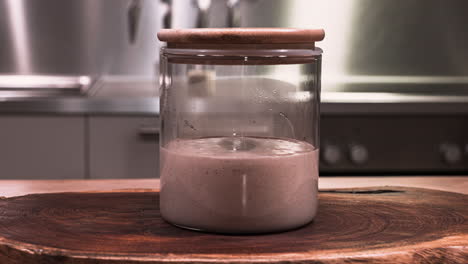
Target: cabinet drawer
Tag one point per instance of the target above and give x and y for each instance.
(124, 147)
(42, 147)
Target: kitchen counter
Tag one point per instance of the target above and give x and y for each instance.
(135, 104)
(82, 105)
(10, 188)
(109, 96)
(139, 96)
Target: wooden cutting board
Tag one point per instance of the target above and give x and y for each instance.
(369, 225)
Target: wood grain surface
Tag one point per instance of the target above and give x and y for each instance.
(365, 225)
(241, 35)
(10, 188)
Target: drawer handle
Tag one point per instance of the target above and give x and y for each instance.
(149, 132)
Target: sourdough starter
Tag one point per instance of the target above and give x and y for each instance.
(239, 184)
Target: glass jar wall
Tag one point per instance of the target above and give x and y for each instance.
(239, 137)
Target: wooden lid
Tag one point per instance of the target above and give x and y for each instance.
(203, 36)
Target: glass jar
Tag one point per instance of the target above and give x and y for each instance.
(239, 113)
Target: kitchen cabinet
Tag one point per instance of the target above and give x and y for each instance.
(42, 147)
(123, 147)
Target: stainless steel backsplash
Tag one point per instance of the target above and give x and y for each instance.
(385, 45)
(79, 37)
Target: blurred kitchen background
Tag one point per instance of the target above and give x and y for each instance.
(79, 82)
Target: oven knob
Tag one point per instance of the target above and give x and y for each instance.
(358, 154)
(451, 153)
(331, 154)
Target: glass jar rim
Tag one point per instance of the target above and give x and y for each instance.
(244, 52)
(241, 56)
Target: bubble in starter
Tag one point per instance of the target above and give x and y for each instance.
(237, 144)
